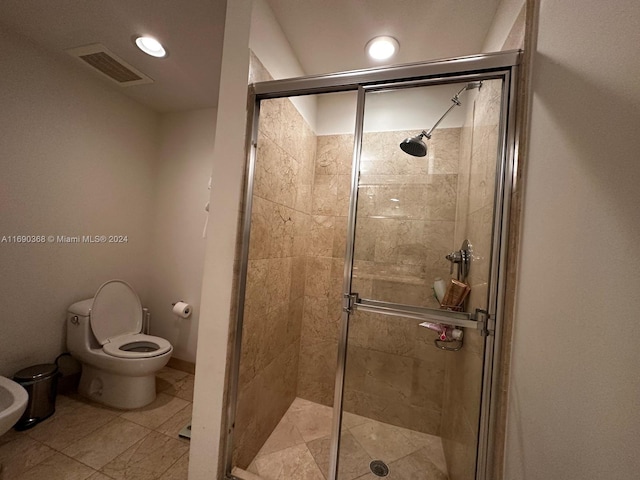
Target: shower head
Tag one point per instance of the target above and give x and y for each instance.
(415, 146)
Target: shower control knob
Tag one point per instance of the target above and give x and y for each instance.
(462, 258)
(454, 257)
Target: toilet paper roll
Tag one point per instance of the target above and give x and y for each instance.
(182, 309)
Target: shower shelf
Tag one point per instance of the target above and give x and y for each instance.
(456, 319)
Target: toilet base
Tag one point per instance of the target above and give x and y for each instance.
(117, 391)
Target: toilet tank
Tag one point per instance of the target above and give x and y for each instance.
(79, 335)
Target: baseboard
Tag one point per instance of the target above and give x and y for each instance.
(182, 365)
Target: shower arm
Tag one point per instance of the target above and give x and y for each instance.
(456, 103)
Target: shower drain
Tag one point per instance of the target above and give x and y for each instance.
(379, 468)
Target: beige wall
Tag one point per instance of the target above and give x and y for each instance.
(176, 264)
(217, 283)
(574, 388)
(77, 158)
(501, 32)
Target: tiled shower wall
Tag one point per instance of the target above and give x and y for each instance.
(325, 268)
(394, 373)
(405, 227)
(476, 184)
(274, 300)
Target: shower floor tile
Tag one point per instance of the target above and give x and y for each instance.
(87, 441)
(299, 448)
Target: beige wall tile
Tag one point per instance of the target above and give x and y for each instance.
(325, 195)
(321, 234)
(318, 283)
(478, 146)
(444, 151)
(317, 370)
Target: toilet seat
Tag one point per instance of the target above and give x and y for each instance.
(116, 311)
(137, 345)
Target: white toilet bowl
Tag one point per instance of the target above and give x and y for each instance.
(119, 362)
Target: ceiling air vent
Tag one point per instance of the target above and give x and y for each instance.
(109, 65)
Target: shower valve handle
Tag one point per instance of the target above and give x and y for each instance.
(454, 257)
(463, 258)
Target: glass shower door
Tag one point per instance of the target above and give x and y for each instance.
(414, 360)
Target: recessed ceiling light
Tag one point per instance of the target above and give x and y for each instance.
(151, 46)
(382, 48)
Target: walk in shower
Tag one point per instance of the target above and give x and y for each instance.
(371, 280)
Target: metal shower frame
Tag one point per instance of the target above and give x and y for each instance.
(503, 66)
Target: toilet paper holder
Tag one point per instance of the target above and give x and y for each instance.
(182, 309)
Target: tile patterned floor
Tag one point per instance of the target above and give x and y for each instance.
(84, 440)
(299, 447)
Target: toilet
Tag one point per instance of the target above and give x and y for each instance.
(119, 362)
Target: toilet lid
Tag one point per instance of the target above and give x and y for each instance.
(116, 311)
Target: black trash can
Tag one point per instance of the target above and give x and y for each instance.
(40, 382)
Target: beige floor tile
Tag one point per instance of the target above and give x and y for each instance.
(68, 403)
(57, 467)
(176, 423)
(167, 377)
(99, 476)
(21, 454)
(10, 436)
(252, 468)
(311, 419)
(382, 441)
(354, 460)
(431, 444)
(407, 453)
(245, 474)
(291, 463)
(285, 435)
(79, 399)
(148, 459)
(182, 388)
(106, 443)
(179, 470)
(352, 420)
(157, 412)
(416, 466)
(370, 476)
(68, 426)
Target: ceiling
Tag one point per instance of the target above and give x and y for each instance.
(192, 32)
(330, 35)
(327, 36)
